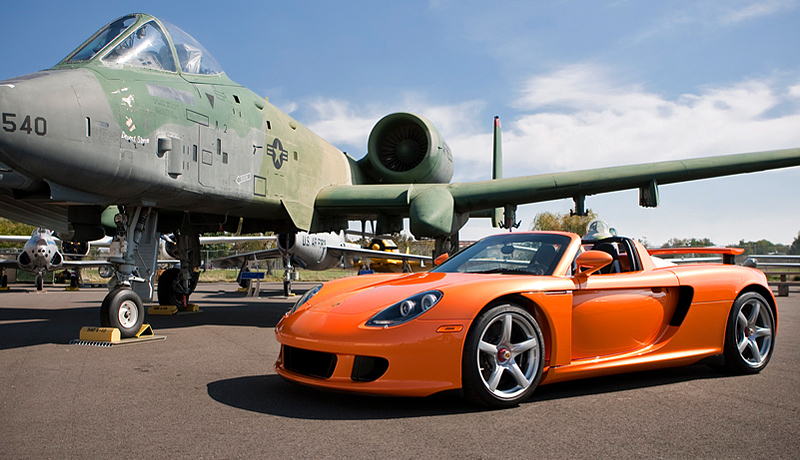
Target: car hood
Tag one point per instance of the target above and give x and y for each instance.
(363, 297)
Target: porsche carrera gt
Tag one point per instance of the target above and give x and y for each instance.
(518, 310)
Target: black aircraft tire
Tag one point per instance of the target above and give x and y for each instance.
(287, 288)
(4, 281)
(166, 287)
(167, 292)
(39, 281)
(123, 309)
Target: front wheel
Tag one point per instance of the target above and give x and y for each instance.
(503, 357)
(122, 309)
(750, 334)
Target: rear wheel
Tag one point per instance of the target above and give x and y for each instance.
(503, 357)
(750, 334)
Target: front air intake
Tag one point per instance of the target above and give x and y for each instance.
(308, 362)
(368, 368)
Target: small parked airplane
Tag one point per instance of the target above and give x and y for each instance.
(41, 254)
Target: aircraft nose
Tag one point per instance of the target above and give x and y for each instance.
(40, 121)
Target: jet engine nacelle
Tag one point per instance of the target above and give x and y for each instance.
(407, 148)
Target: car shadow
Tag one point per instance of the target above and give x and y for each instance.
(270, 394)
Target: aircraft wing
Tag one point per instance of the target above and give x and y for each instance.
(85, 263)
(234, 239)
(36, 213)
(438, 206)
(239, 259)
(342, 251)
(14, 239)
(9, 263)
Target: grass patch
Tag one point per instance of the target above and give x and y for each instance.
(222, 275)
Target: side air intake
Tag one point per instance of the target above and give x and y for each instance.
(407, 148)
(403, 148)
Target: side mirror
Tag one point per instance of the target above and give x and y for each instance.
(591, 261)
(440, 260)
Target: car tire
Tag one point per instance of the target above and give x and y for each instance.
(749, 334)
(503, 357)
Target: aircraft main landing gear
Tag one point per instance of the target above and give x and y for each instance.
(288, 273)
(171, 291)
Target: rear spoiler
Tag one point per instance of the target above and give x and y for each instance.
(728, 254)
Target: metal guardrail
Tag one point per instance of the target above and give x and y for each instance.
(785, 267)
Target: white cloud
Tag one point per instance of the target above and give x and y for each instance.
(339, 123)
(737, 12)
(579, 117)
(713, 14)
(346, 125)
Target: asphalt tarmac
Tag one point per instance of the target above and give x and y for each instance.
(209, 391)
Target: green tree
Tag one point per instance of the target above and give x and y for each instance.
(794, 249)
(548, 221)
(8, 227)
(762, 247)
(687, 243)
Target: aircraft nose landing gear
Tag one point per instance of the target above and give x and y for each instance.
(136, 240)
(123, 309)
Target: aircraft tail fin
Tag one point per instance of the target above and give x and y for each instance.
(497, 170)
(501, 217)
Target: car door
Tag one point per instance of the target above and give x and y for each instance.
(621, 312)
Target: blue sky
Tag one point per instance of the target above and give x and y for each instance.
(577, 84)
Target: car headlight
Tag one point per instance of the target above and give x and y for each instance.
(406, 310)
(304, 298)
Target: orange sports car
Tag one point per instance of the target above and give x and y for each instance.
(517, 310)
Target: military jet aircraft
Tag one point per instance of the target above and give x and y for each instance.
(41, 254)
(142, 116)
(314, 251)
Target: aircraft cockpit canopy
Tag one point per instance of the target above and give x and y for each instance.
(153, 44)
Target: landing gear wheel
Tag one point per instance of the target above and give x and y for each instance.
(4, 281)
(503, 357)
(749, 335)
(287, 288)
(123, 309)
(39, 281)
(169, 290)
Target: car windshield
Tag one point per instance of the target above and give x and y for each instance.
(518, 253)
